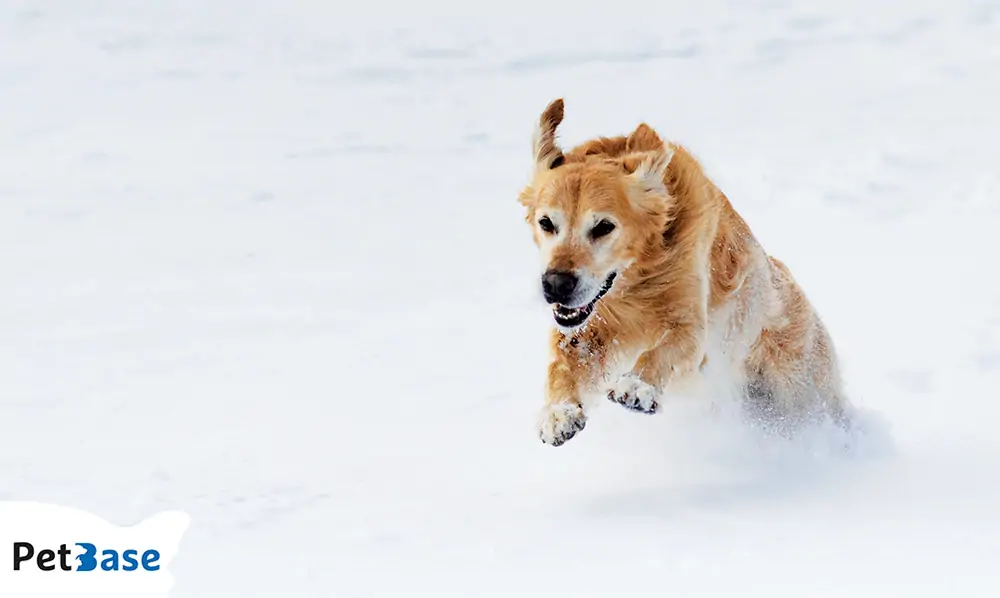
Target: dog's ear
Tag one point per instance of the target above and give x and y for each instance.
(547, 153)
(643, 139)
(649, 169)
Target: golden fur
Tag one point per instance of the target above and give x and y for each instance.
(695, 294)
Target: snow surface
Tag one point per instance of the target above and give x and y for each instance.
(264, 263)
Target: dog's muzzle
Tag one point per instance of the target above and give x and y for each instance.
(571, 317)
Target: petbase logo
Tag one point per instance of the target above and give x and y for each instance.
(86, 556)
(48, 550)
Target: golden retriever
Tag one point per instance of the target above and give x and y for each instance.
(656, 284)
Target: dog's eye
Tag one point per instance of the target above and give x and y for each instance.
(603, 228)
(547, 225)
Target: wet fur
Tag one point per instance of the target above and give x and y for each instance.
(699, 299)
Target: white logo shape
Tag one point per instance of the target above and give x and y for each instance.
(49, 550)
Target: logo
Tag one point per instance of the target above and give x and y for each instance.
(111, 560)
(47, 550)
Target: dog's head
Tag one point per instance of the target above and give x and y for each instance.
(594, 212)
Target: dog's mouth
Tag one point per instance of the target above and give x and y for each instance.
(571, 317)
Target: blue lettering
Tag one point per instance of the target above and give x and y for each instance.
(130, 563)
(110, 562)
(86, 560)
(148, 558)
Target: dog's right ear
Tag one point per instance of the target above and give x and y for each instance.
(643, 139)
(547, 153)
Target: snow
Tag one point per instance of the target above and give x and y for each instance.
(264, 263)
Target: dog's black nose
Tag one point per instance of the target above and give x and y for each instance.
(558, 286)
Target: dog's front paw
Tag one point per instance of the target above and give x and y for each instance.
(632, 393)
(558, 422)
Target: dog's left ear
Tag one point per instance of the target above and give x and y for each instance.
(649, 169)
(547, 153)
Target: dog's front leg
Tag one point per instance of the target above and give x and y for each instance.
(640, 389)
(563, 415)
(681, 351)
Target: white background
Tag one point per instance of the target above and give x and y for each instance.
(264, 263)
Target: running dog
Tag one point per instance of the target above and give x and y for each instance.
(656, 283)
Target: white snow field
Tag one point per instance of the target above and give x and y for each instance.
(263, 262)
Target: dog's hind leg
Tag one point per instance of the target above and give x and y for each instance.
(782, 405)
(760, 405)
(826, 379)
